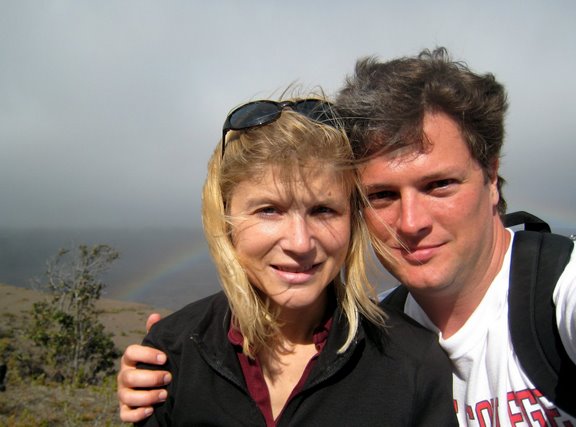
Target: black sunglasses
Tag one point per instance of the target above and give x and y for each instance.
(263, 112)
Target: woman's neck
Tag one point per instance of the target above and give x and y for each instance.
(284, 366)
(298, 325)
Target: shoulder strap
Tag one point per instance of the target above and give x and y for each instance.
(530, 222)
(538, 260)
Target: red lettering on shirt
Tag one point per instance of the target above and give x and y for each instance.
(484, 413)
(523, 407)
(470, 412)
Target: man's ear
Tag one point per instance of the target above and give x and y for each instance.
(493, 177)
(492, 171)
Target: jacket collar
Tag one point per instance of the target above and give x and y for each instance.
(211, 337)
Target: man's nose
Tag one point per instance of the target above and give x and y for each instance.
(414, 218)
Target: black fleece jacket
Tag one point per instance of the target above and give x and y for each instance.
(393, 377)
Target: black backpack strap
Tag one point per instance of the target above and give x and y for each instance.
(530, 222)
(538, 260)
(396, 299)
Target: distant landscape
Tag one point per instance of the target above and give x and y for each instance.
(163, 267)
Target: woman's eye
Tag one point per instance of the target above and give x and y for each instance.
(319, 210)
(267, 210)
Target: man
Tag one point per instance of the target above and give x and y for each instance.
(428, 133)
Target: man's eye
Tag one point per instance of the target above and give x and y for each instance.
(381, 195)
(441, 183)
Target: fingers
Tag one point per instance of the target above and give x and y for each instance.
(142, 406)
(142, 378)
(129, 415)
(138, 353)
(141, 398)
(135, 405)
(152, 319)
(130, 377)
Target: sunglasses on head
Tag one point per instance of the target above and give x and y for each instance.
(260, 113)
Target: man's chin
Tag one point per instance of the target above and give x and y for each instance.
(416, 277)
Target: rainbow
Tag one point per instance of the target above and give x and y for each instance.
(153, 276)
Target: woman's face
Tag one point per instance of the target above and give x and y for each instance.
(291, 238)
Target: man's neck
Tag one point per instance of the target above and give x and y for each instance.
(450, 311)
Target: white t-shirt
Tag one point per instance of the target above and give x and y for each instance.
(490, 388)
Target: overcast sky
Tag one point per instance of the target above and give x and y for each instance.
(109, 109)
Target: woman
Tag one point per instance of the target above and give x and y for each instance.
(295, 338)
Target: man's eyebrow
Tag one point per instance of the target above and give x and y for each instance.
(381, 186)
(375, 187)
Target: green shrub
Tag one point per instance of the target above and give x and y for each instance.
(72, 345)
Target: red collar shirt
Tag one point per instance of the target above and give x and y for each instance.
(253, 371)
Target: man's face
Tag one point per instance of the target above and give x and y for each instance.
(435, 210)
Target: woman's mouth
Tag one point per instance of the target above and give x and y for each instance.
(296, 274)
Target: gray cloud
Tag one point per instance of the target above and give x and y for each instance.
(109, 110)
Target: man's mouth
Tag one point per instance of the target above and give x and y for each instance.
(419, 254)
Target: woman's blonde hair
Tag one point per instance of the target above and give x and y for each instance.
(292, 144)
